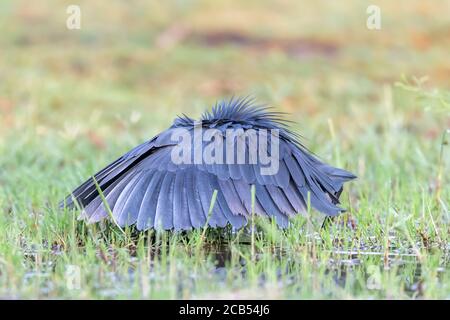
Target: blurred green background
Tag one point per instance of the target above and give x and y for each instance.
(149, 60)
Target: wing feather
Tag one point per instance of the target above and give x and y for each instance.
(147, 210)
(164, 206)
(181, 219)
(130, 211)
(196, 213)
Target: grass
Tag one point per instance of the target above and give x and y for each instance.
(373, 102)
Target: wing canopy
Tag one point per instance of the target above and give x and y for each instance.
(146, 188)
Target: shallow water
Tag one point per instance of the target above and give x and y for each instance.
(190, 275)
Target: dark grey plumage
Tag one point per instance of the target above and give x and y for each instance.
(145, 188)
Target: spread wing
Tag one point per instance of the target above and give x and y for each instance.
(145, 188)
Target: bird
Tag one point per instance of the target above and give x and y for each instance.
(149, 188)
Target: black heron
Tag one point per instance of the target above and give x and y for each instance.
(145, 187)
